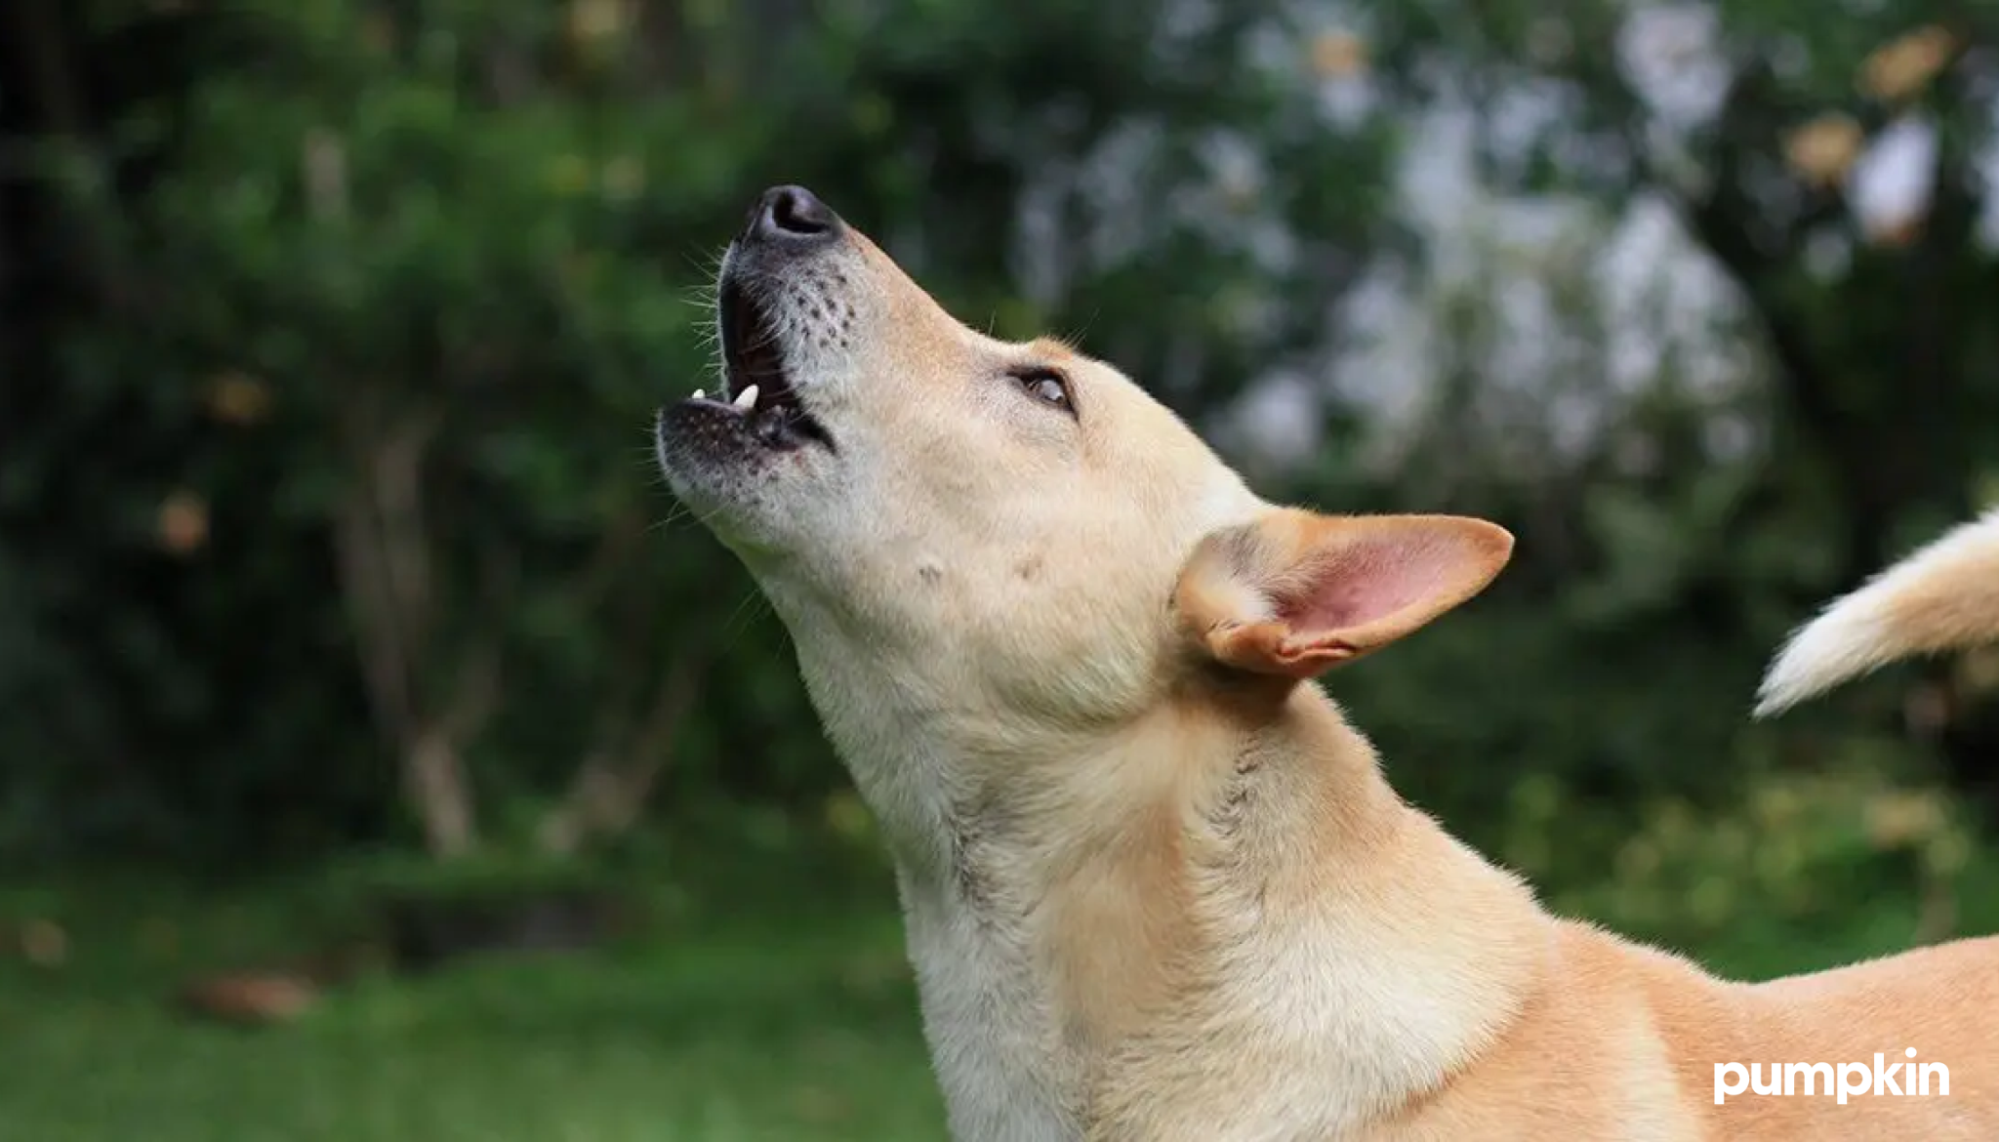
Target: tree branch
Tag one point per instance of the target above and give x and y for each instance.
(613, 783)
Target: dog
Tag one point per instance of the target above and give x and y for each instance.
(1154, 885)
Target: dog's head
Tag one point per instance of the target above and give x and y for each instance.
(1003, 538)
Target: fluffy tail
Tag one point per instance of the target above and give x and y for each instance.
(1943, 597)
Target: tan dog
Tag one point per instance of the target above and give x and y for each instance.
(1155, 885)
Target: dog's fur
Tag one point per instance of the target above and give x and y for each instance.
(1944, 597)
(1156, 886)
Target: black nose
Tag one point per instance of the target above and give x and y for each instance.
(792, 215)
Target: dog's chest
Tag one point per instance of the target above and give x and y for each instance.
(992, 1038)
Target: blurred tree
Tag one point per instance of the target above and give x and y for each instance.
(391, 310)
(1836, 165)
(326, 510)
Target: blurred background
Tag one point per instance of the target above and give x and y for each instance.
(379, 758)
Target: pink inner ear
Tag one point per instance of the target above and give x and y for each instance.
(1364, 581)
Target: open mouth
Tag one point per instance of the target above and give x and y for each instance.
(757, 388)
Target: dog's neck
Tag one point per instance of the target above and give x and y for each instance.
(1210, 872)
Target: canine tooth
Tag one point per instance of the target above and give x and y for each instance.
(700, 394)
(747, 399)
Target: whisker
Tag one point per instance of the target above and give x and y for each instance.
(1076, 338)
(747, 611)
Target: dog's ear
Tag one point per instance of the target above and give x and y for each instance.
(1296, 593)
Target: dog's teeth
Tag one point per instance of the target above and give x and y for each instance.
(700, 394)
(747, 399)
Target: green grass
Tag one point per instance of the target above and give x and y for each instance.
(783, 1021)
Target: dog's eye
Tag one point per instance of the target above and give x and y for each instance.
(1046, 385)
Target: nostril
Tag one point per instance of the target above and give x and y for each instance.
(794, 212)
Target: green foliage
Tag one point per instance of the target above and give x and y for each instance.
(338, 521)
(378, 299)
(1845, 849)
